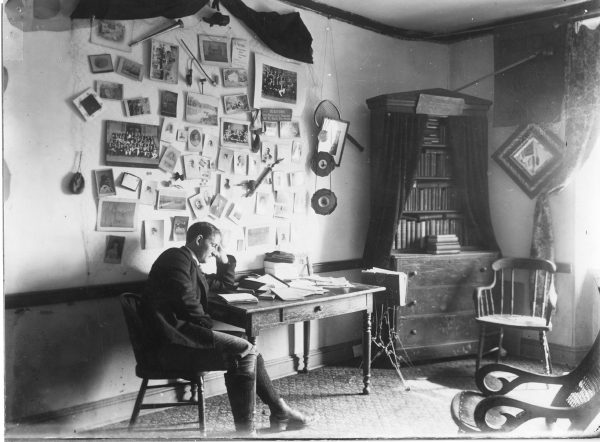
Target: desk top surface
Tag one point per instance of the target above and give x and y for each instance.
(268, 304)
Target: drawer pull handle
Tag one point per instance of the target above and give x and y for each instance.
(318, 309)
(412, 303)
(412, 274)
(413, 332)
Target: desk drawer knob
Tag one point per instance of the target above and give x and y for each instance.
(483, 269)
(412, 303)
(318, 309)
(413, 331)
(412, 274)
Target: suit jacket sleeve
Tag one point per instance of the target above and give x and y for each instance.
(224, 279)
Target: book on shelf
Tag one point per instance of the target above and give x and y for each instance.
(443, 238)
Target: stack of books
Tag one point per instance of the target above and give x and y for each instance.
(443, 244)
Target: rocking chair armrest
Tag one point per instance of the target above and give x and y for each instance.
(514, 419)
(523, 377)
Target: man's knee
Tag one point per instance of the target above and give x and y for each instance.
(242, 364)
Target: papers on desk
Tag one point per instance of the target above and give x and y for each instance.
(326, 281)
(291, 293)
(262, 282)
(238, 298)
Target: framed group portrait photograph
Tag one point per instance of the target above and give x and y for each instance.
(278, 84)
(235, 133)
(131, 144)
(215, 50)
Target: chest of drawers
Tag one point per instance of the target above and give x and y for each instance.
(438, 320)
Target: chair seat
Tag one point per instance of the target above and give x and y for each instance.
(158, 373)
(516, 321)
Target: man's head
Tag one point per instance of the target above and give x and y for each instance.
(204, 239)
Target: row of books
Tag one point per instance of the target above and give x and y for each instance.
(434, 164)
(445, 244)
(434, 133)
(432, 196)
(412, 234)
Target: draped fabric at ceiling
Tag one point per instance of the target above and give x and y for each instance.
(582, 127)
(393, 168)
(468, 139)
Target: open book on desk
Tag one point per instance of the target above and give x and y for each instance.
(238, 298)
(261, 283)
(292, 293)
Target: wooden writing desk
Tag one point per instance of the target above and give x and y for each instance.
(273, 313)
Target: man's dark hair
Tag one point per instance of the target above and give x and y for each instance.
(207, 230)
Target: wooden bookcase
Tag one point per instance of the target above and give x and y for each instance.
(438, 319)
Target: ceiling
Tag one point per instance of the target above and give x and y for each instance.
(442, 19)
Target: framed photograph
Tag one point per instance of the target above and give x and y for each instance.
(236, 214)
(210, 147)
(168, 104)
(201, 109)
(215, 50)
(289, 129)
(235, 77)
(240, 163)
(180, 226)
(297, 151)
(130, 181)
(168, 132)
(233, 104)
(284, 204)
(130, 69)
(235, 133)
(148, 192)
(105, 182)
(109, 90)
(264, 203)
(270, 129)
(100, 63)
(217, 207)
(283, 231)
(259, 236)
(268, 151)
(280, 180)
(191, 166)
(164, 62)
(253, 165)
(131, 144)
(225, 160)
(89, 104)
(278, 84)
(116, 215)
(137, 106)
(114, 249)
(171, 199)
(114, 34)
(200, 204)
(154, 234)
(530, 156)
(169, 159)
(332, 137)
(194, 139)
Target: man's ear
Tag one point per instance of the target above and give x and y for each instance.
(198, 239)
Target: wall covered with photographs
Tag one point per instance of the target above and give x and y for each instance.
(158, 153)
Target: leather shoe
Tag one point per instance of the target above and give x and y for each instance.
(284, 417)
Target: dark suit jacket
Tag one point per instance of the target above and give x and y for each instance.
(175, 301)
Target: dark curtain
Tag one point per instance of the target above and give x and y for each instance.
(468, 140)
(136, 9)
(393, 168)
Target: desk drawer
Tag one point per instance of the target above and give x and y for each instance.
(324, 309)
(436, 329)
(440, 299)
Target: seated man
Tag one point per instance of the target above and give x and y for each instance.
(175, 308)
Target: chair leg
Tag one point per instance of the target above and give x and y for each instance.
(480, 350)
(500, 349)
(201, 405)
(138, 403)
(546, 349)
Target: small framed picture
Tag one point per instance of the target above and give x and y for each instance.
(180, 226)
(270, 129)
(296, 151)
(109, 90)
(89, 104)
(154, 234)
(253, 165)
(289, 129)
(332, 137)
(210, 147)
(217, 208)
(235, 77)
(164, 62)
(168, 104)
(240, 163)
(194, 139)
(130, 69)
(201, 109)
(130, 181)
(116, 215)
(267, 155)
(114, 34)
(114, 249)
(284, 204)
(236, 214)
(169, 159)
(148, 192)
(131, 144)
(259, 236)
(171, 199)
(137, 106)
(264, 203)
(105, 182)
(235, 103)
(191, 166)
(235, 133)
(215, 50)
(225, 160)
(100, 63)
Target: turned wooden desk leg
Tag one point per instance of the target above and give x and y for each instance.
(366, 351)
(306, 345)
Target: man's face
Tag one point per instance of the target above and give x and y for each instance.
(206, 247)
